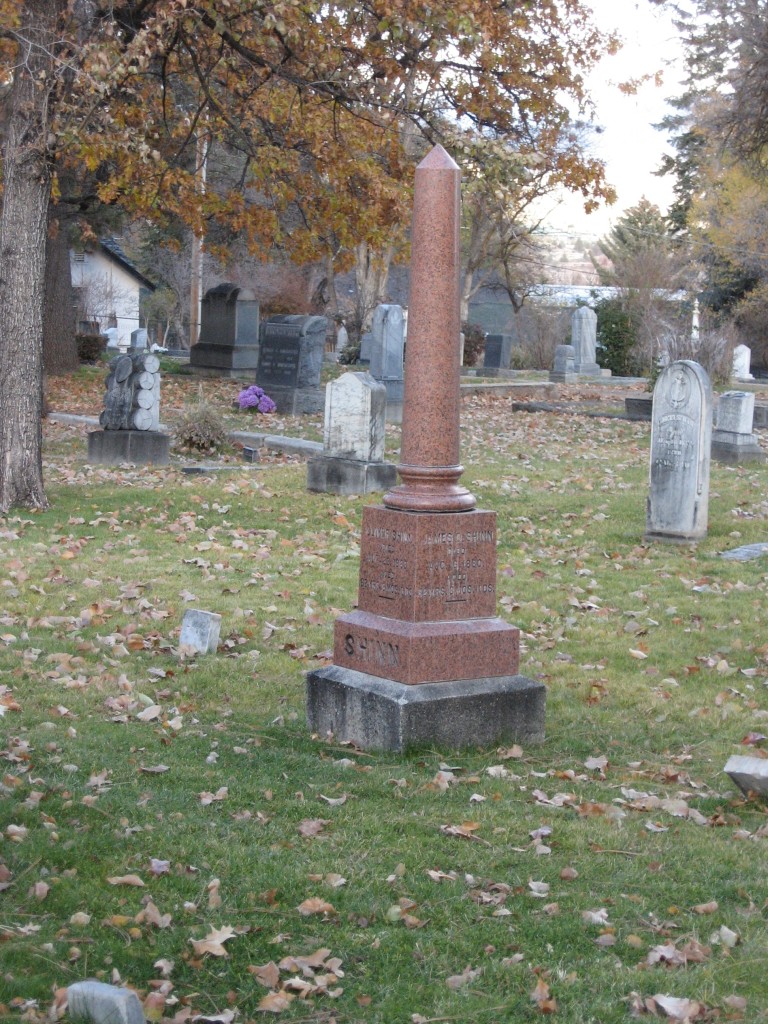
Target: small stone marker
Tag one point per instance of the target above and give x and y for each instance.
(681, 434)
(229, 333)
(291, 354)
(131, 415)
(564, 370)
(584, 341)
(200, 630)
(353, 439)
(732, 437)
(749, 773)
(742, 358)
(424, 660)
(103, 1004)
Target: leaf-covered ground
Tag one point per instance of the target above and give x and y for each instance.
(168, 823)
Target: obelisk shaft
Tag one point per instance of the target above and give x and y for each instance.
(429, 454)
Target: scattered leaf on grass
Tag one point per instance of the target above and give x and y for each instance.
(315, 905)
(276, 1002)
(457, 981)
(311, 827)
(126, 880)
(213, 943)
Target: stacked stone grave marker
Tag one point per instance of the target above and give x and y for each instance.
(353, 439)
(564, 370)
(131, 416)
(229, 333)
(290, 362)
(584, 341)
(424, 659)
(386, 360)
(732, 437)
(681, 435)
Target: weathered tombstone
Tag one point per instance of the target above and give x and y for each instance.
(498, 352)
(229, 333)
(564, 370)
(749, 773)
(681, 434)
(584, 341)
(386, 363)
(732, 437)
(742, 358)
(110, 333)
(290, 362)
(131, 416)
(424, 660)
(200, 630)
(353, 439)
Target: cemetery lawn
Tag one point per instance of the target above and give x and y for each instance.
(168, 823)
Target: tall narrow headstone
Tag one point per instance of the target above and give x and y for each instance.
(353, 439)
(681, 433)
(424, 659)
(386, 362)
(732, 437)
(584, 341)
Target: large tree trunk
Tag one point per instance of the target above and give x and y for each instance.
(23, 232)
(59, 345)
(371, 274)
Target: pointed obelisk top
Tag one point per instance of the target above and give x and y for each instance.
(438, 159)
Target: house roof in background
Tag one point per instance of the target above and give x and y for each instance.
(114, 250)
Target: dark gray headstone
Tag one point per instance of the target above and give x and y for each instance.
(229, 333)
(291, 361)
(681, 433)
(498, 351)
(139, 339)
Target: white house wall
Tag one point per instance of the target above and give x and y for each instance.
(107, 290)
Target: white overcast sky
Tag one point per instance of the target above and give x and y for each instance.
(629, 145)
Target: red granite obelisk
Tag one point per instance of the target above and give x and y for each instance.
(424, 657)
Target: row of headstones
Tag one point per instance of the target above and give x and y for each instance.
(683, 441)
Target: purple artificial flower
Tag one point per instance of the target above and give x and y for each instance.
(254, 397)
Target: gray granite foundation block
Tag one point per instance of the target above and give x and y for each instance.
(334, 475)
(380, 714)
(732, 448)
(140, 447)
(103, 1004)
(749, 773)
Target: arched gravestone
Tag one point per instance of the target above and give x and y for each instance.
(681, 436)
(229, 333)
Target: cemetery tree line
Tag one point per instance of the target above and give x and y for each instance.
(324, 106)
(719, 132)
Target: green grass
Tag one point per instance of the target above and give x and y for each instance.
(93, 593)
